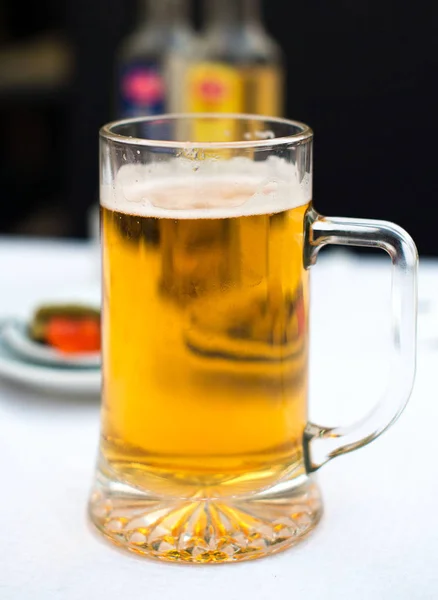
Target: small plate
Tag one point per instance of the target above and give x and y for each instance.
(14, 335)
(55, 379)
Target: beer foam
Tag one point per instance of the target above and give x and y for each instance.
(206, 189)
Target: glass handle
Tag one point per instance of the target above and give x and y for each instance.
(323, 443)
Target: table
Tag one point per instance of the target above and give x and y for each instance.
(379, 536)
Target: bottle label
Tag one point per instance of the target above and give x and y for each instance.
(214, 88)
(142, 90)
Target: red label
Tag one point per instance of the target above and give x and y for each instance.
(212, 90)
(143, 87)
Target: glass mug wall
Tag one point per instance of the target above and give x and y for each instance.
(206, 451)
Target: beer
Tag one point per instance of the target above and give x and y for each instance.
(206, 453)
(205, 334)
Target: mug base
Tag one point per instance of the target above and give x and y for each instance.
(203, 528)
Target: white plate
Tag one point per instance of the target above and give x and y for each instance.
(14, 335)
(84, 382)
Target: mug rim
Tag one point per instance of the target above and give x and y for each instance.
(305, 133)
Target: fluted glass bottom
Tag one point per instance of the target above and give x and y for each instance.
(203, 528)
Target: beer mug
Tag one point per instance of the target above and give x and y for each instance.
(206, 451)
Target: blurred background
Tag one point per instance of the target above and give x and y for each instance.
(362, 74)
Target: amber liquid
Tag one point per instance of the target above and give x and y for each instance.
(205, 347)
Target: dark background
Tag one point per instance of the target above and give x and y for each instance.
(362, 73)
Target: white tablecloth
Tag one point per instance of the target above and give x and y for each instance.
(379, 535)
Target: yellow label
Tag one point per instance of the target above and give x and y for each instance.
(220, 88)
(215, 88)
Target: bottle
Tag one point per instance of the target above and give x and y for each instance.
(151, 61)
(239, 67)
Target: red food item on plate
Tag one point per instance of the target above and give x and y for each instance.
(73, 335)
